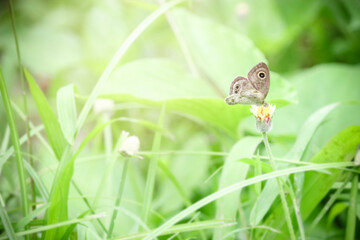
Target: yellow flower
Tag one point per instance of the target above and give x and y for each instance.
(263, 115)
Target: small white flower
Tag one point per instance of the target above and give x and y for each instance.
(263, 115)
(103, 105)
(242, 10)
(130, 145)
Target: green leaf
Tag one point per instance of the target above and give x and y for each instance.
(66, 107)
(307, 131)
(317, 185)
(221, 52)
(183, 92)
(317, 87)
(233, 171)
(51, 124)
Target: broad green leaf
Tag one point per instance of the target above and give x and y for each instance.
(66, 107)
(233, 171)
(318, 87)
(60, 49)
(307, 131)
(51, 124)
(157, 80)
(341, 148)
(184, 93)
(221, 52)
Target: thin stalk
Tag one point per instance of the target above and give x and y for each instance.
(16, 144)
(281, 189)
(119, 196)
(351, 217)
(329, 203)
(22, 81)
(296, 204)
(118, 55)
(150, 181)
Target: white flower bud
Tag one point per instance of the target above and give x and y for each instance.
(103, 105)
(130, 145)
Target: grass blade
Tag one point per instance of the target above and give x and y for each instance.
(187, 227)
(24, 221)
(16, 144)
(66, 107)
(118, 55)
(118, 197)
(237, 186)
(57, 225)
(38, 183)
(50, 121)
(150, 181)
(6, 221)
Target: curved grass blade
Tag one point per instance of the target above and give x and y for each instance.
(56, 225)
(16, 143)
(66, 107)
(237, 186)
(48, 118)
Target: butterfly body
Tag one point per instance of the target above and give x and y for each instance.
(251, 90)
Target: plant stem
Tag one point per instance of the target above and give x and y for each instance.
(150, 181)
(351, 218)
(119, 196)
(22, 81)
(281, 189)
(16, 144)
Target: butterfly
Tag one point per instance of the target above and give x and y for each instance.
(251, 90)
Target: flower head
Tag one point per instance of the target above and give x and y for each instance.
(263, 115)
(129, 145)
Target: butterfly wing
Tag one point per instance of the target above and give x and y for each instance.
(243, 92)
(259, 76)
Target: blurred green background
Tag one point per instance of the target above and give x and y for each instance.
(187, 58)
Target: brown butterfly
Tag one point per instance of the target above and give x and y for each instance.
(251, 90)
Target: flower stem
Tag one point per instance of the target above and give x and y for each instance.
(118, 197)
(281, 189)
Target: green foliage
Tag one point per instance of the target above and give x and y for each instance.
(205, 173)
